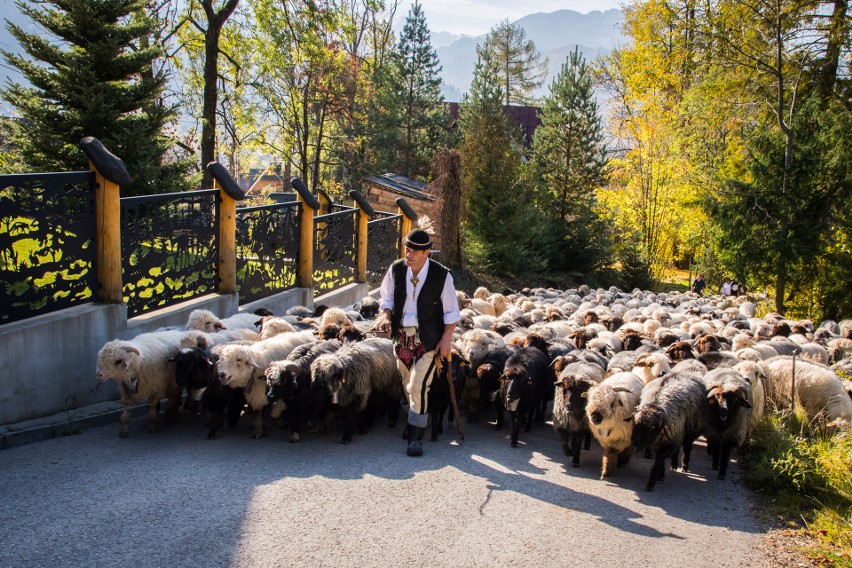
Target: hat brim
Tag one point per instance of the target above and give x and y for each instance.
(418, 246)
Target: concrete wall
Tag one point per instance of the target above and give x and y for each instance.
(47, 363)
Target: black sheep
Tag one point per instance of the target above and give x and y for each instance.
(439, 392)
(524, 383)
(289, 381)
(195, 370)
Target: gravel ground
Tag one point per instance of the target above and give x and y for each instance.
(175, 499)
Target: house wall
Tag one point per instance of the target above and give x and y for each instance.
(383, 199)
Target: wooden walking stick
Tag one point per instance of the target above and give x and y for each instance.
(453, 395)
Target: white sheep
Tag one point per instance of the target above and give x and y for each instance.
(754, 373)
(205, 320)
(476, 343)
(650, 366)
(243, 366)
(483, 306)
(336, 316)
(818, 389)
(481, 293)
(206, 341)
(608, 406)
(270, 326)
(142, 370)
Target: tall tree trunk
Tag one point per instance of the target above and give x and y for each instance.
(215, 23)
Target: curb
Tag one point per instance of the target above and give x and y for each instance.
(66, 423)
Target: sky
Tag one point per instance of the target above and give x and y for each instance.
(476, 17)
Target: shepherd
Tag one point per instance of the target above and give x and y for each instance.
(420, 311)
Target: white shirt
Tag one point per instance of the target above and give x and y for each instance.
(726, 289)
(409, 311)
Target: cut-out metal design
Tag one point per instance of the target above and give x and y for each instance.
(267, 249)
(169, 248)
(47, 243)
(383, 236)
(335, 250)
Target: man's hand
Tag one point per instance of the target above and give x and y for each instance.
(383, 323)
(443, 347)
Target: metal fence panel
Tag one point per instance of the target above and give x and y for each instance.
(169, 248)
(382, 246)
(335, 250)
(267, 249)
(47, 243)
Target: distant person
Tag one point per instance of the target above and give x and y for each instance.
(726, 287)
(699, 284)
(735, 288)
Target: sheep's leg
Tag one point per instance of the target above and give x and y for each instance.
(173, 406)
(257, 430)
(725, 458)
(124, 420)
(350, 421)
(587, 443)
(516, 426)
(153, 405)
(576, 444)
(658, 471)
(528, 419)
(606, 463)
(624, 456)
(687, 453)
(214, 421)
(565, 436)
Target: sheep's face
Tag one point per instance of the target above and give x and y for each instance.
(282, 381)
(648, 424)
(330, 377)
(725, 403)
(573, 390)
(603, 404)
(236, 366)
(192, 368)
(679, 351)
(117, 361)
(513, 384)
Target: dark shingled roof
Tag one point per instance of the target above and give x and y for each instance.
(406, 187)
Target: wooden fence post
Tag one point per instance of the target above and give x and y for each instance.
(309, 204)
(408, 215)
(365, 211)
(229, 193)
(110, 174)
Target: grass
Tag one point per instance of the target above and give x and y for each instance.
(803, 473)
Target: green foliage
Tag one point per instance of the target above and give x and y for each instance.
(808, 473)
(424, 120)
(496, 232)
(91, 75)
(566, 167)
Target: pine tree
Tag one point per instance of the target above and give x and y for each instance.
(424, 120)
(496, 231)
(568, 150)
(92, 77)
(516, 61)
(568, 164)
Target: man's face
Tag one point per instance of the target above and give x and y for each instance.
(415, 259)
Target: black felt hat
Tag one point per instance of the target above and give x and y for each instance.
(418, 239)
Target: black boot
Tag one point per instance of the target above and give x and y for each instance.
(415, 441)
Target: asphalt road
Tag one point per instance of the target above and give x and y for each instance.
(175, 499)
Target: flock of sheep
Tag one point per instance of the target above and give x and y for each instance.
(638, 371)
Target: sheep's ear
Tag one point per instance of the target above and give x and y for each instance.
(131, 349)
(584, 394)
(629, 418)
(252, 362)
(219, 325)
(343, 379)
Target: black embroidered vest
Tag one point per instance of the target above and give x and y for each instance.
(430, 308)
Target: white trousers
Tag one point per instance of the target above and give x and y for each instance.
(416, 385)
